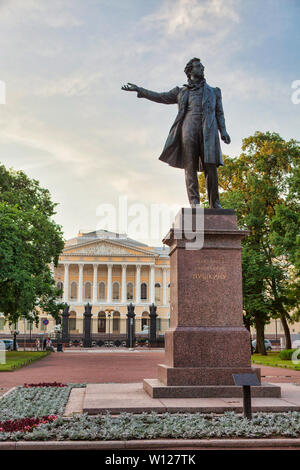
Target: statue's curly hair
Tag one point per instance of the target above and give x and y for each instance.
(189, 66)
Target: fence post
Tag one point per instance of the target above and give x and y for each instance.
(153, 315)
(87, 339)
(130, 325)
(65, 324)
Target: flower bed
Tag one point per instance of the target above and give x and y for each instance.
(153, 426)
(35, 413)
(35, 402)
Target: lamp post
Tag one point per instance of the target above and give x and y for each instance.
(109, 312)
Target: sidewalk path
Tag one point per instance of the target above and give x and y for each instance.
(109, 366)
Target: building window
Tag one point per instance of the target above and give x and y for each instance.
(101, 322)
(169, 293)
(116, 322)
(158, 324)
(145, 320)
(72, 321)
(143, 291)
(2, 323)
(116, 291)
(29, 325)
(60, 286)
(129, 291)
(88, 290)
(157, 292)
(102, 290)
(73, 290)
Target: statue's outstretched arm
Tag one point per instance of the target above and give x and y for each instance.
(167, 97)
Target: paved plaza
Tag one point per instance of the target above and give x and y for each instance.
(109, 366)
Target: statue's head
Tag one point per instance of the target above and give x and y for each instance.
(194, 69)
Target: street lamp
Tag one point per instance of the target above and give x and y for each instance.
(108, 312)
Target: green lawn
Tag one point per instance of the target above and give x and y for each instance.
(272, 359)
(17, 359)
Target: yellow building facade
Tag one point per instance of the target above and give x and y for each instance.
(108, 271)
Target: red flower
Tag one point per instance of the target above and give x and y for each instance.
(24, 424)
(45, 384)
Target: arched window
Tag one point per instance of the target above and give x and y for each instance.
(116, 291)
(101, 291)
(60, 286)
(101, 322)
(73, 290)
(157, 292)
(72, 321)
(169, 293)
(129, 291)
(88, 290)
(116, 322)
(145, 319)
(143, 291)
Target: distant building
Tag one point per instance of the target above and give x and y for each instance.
(109, 270)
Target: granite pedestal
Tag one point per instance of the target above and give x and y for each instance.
(207, 342)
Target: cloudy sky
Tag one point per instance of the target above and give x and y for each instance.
(67, 123)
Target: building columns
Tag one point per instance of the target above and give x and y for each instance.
(124, 285)
(95, 278)
(109, 282)
(138, 284)
(66, 282)
(164, 286)
(80, 283)
(152, 284)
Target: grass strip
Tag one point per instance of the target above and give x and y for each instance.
(17, 359)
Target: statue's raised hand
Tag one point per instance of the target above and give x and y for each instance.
(130, 87)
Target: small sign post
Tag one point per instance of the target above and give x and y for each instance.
(246, 381)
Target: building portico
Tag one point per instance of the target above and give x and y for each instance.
(109, 271)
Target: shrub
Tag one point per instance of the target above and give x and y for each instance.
(286, 354)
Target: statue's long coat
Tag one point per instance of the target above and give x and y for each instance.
(213, 120)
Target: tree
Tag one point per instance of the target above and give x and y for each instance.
(262, 185)
(30, 241)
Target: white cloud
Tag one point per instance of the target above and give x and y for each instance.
(79, 83)
(54, 14)
(187, 15)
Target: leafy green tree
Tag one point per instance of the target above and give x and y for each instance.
(30, 241)
(262, 185)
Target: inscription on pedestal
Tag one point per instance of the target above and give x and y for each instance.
(211, 273)
(209, 276)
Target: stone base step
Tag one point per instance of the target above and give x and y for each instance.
(157, 389)
(116, 398)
